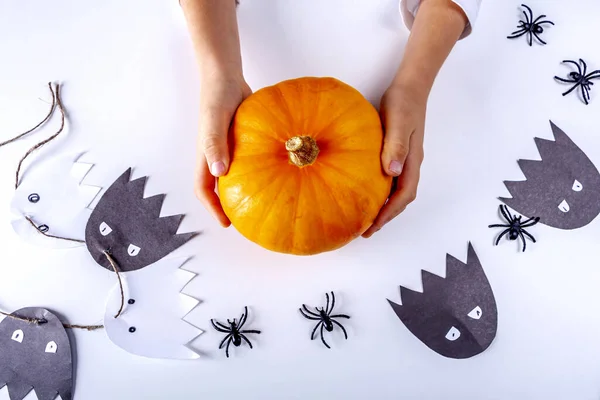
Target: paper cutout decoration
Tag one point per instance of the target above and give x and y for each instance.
(35, 356)
(455, 316)
(325, 320)
(563, 189)
(55, 200)
(151, 324)
(129, 226)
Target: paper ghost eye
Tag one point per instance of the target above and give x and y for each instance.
(33, 198)
(133, 250)
(105, 229)
(17, 336)
(453, 334)
(43, 228)
(564, 206)
(475, 313)
(51, 347)
(132, 329)
(577, 186)
(130, 301)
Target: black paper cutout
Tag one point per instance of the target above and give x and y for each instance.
(130, 228)
(530, 27)
(563, 189)
(234, 332)
(580, 79)
(455, 316)
(325, 319)
(35, 356)
(514, 228)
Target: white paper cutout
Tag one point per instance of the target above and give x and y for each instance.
(50, 193)
(564, 206)
(133, 250)
(51, 347)
(17, 336)
(105, 229)
(475, 313)
(577, 186)
(453, 334)
(155, 308)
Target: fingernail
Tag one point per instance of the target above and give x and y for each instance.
(396, 167)
(217, 168)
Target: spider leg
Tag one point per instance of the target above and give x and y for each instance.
(535, 221)
(243, 318)
(517, 33)
(309, 316)
(574, 63)
(528, 235)
(558, 78)
(529, 17)
(219, 326)
(250, 331)
(506, 213)
(339, 316)
(499, 226)
(523, 239)
(332, 303)
(593, 75)
(539, 38)
(227, 348)
(584, 67)
(327, 306)
(246, 340)
(586, 94)
(312, 335)
(570, 90)
(535, 21)
(501, 235)
(527, 220)
(323, 339)
(343, 329)
(224, 339)
(311, 312)
(530, 38)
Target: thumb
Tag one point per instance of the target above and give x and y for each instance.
(213, 145)
(395, 148)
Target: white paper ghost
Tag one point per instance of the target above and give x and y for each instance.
(52, 196)
(151, 324)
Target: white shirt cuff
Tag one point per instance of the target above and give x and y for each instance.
(409, 10)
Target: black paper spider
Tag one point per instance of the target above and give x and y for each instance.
(580, 78)
(530, 27)
(515, 228)
(234, 332)
(326, 320)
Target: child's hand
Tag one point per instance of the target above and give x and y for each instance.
(219, 99)
(403, 118)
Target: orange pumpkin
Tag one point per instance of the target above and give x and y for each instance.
(305, 174)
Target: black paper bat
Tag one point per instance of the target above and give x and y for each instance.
(130, 228)
(35, 356)
(455, 316)
(563, 189)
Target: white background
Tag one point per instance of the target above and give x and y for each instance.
(131, 90)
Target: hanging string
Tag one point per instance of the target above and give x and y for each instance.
(38, 125)
(43, 142)
(37, 228)
(41, 321)
(115, 268)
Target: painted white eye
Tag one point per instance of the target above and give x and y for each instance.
(577, 186)
(133, 250)
(453, 334)
(105, 229)
(564, 206)
(51, 347)
(17, 336)
(475, 313)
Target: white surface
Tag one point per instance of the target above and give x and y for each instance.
(156, 314)
(131, 89)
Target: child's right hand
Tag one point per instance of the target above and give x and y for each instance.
(219, 98)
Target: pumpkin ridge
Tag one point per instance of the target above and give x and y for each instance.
(327, 190)
(266, 212)
(341, 172)
(337, 117)
(262, 132)
(286, 126)
(297, 200)
(268, 185)
(285, 103)
(261, 169)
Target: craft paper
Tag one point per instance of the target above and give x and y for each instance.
(455, 316)
(152, 324)
(52, 195)
(35, 356)
(563, 189)
(129, 226)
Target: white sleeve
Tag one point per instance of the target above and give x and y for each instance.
(409, 10)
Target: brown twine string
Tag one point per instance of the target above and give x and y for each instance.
(43, 142)
(38, 125)
(38, 321)
(113, 264)
(52, 236)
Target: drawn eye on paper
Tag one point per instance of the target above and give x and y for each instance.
(563, 188)
(455, 316)
(35, 356)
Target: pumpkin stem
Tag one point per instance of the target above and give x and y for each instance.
(303, 150)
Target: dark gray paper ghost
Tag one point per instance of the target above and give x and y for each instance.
(35, 356)
(455, 316)
(563, 189)
(130, 228)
